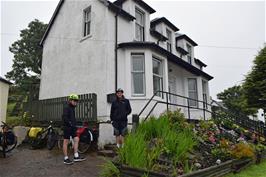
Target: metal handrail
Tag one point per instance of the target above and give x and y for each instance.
(240, 119)
(167, 102)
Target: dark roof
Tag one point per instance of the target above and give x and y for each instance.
(114, 8)
(158, 35)
(171, 57)
(120, 11)
(141, 3)
(181, 50)
(156, 21)
(5, 81)
(199, 62)
(183, 36)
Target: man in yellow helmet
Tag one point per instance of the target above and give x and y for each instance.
(69, 122)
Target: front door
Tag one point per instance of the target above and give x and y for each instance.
(172, 89)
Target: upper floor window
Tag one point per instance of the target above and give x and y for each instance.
(139, 25)
(87, 21)
(168, 42)
(189, 55)
(157, 76)
(204, 93)
(138, 74)
(192, 92)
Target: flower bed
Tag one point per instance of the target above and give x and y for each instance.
(169, 146)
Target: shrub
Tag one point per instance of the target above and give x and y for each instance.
(242, 150)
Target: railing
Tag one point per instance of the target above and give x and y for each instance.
(52, 109)
(204, 108)
(224, 114)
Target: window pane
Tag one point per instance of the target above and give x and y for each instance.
(139, 32)
(204, 87)
(87, 21)
(139, 17)
(157, 84)
(138, 83)
(157, 67)
(192, 92)
(192, 85)
(137, 63)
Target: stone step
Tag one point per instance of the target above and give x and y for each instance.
(112, 147)
(107, 153)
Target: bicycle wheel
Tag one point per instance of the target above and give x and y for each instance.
(38, 142)
(84, 142)
(4, 147)
(51, 140)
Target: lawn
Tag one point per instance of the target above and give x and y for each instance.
(252, 171)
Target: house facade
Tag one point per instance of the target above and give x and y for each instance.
(4, 88)
(97, 46)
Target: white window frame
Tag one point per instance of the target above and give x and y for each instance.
(204, 93)
(193, 91)
(137, 72)
(139, 25)
(86, 22)
(189, 55)
(154, 58)
(169, 41)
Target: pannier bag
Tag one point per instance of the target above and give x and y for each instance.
(10, 138)
(34, 131)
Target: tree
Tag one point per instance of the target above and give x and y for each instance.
(26, 68)
(234, 99)
(254, 86)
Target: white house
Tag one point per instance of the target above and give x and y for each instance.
(96, 46)
(4, 88)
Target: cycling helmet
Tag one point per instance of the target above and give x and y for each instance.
(73, 97)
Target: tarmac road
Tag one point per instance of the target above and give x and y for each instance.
(24, 162)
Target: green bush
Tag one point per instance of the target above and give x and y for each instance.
(109, 170)
(134, 152)
(169, 134)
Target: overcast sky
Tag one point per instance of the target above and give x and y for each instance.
(229, 34)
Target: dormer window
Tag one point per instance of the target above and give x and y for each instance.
(168, 42)
(139, 25)
(189, 55)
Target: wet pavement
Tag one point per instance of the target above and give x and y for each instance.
(24, 162)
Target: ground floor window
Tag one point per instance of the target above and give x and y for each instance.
(192, 92)
(204, 93)
(157, 76)
(138, 74)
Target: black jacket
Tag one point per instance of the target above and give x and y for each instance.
(68, 116)
(120, 109)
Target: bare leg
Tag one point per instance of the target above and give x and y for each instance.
(122, 139)
(117, 139)
(76, 144)
(65, 144)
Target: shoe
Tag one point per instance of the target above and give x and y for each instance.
(79, 159)
(68, 162)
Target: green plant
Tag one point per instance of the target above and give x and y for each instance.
(220, 153)
(134, 152)
(242, 150)
(109, 170)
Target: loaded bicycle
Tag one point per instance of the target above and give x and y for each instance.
(87, 137)
(44, 136)
(8, 140)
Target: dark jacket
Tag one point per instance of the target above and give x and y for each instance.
(120, 109)
(68, 116)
